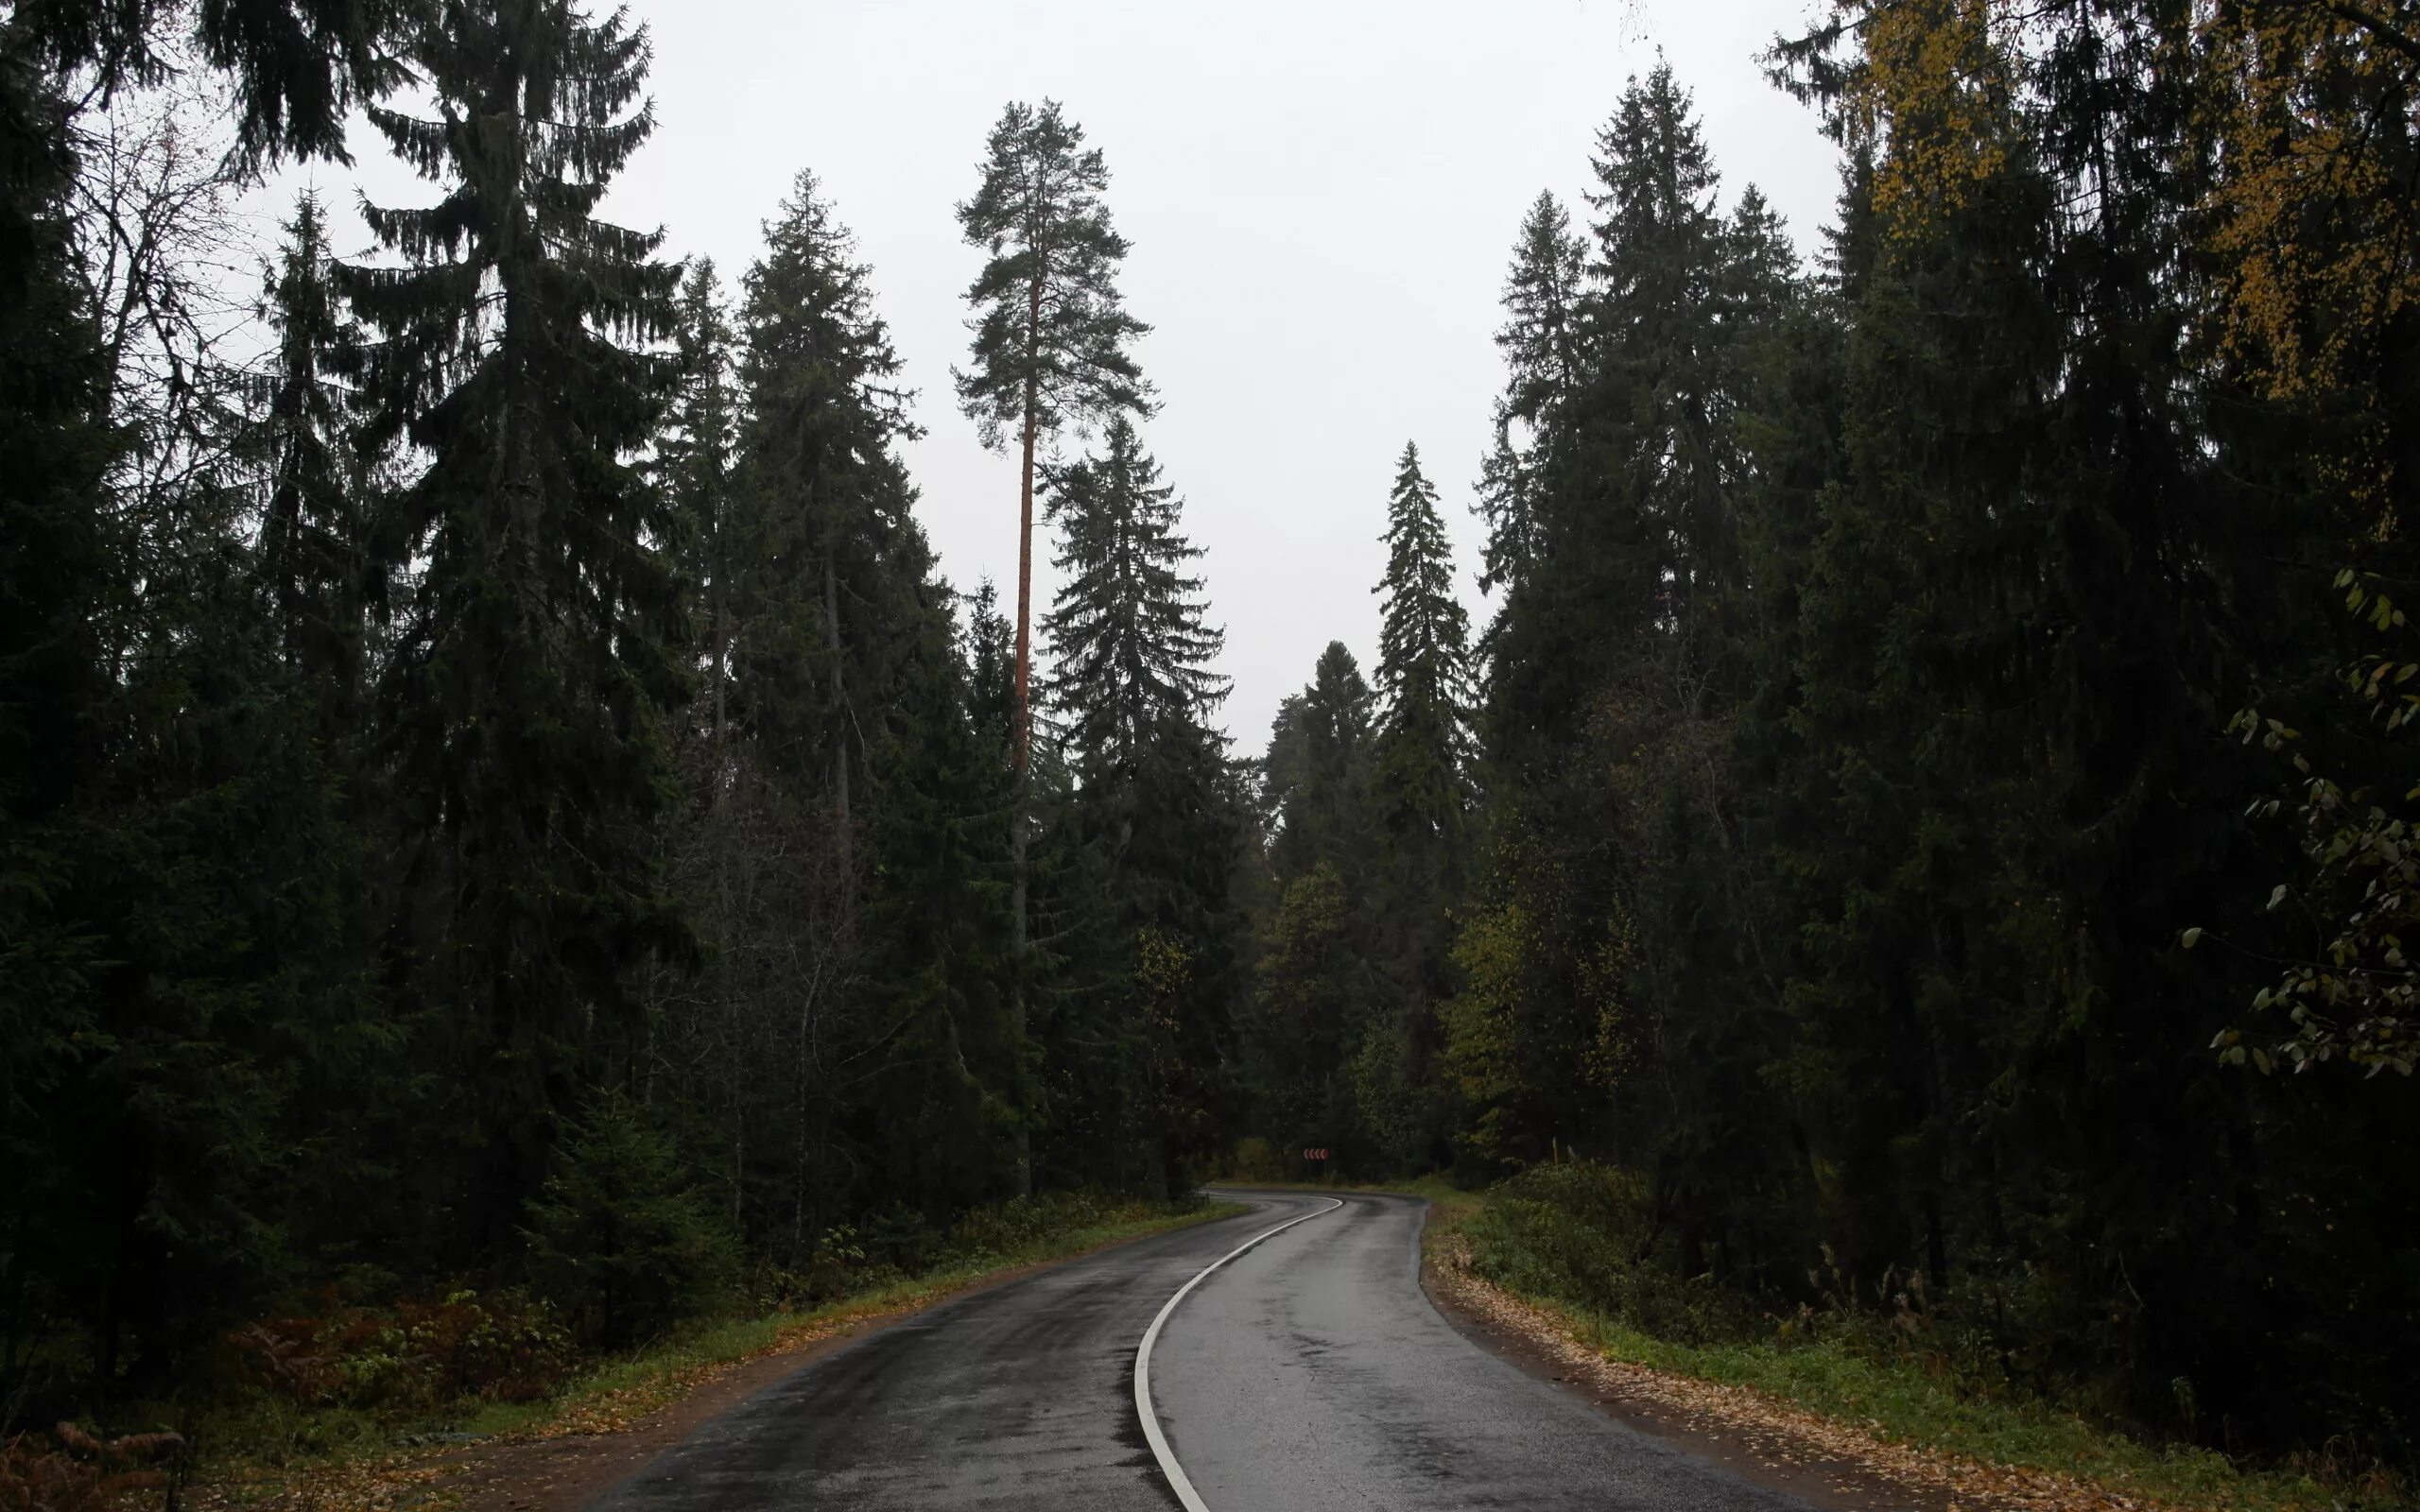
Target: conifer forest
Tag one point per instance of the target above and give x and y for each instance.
(498, 798)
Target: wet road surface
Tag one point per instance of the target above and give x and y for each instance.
(1309, 1373)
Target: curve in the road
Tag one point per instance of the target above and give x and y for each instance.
(1313, 1375)
(1143, 1408)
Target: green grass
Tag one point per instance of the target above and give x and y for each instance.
(1902, 1403)
(262, 1451)
(1899, 1401)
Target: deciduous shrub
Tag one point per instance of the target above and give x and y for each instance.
(409, 1357)
(1257, 1160)
(71, 1470)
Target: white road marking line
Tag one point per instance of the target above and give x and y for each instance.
(1143, 1409)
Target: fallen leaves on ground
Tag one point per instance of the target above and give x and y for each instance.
(612, 1412)
(382, 1484)
(408, 1479)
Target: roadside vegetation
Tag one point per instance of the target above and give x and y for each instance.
(1896, 1364)
(356, 1400)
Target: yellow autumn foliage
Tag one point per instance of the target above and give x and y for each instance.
(1933, 93)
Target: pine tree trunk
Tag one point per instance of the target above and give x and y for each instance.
(1016, 990)
(1025, 534)
(1017, 825)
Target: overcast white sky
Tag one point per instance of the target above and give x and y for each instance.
(1322, 198)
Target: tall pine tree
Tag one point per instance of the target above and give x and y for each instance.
(1051, 333)
(1616, 660)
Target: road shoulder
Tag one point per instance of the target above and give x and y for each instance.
(570, 1459)
(564, 1472)
(1829, 1463)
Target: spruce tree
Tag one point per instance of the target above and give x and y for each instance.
(1128, 632)
(826, 501)
(1615, 664)
(314, 523)
(173, 860)
(1628, 520)
(1542, 346)
(66, 571)
(527, 699)
(858, 709)
(948, 1116)
(1420, 802)
(1422, 790)
(294, 67)
(1318, 1002)
(1155, 799)
(1316, 775)
(989, 650)
(1661, 258)
(696, 456)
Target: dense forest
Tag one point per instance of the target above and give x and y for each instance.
(495, 789)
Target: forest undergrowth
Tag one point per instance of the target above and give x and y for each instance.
(357, 1404)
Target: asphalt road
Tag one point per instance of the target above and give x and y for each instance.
(1309, 1373)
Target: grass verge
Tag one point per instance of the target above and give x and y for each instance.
(2058, 1458)
(336, 1459)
